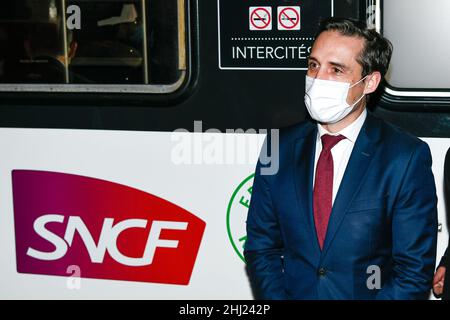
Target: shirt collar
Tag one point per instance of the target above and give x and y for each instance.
(350, 132)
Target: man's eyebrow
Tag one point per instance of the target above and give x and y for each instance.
(339, 65)
(333, 63)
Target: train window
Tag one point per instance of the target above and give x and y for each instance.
(419, 33)
(92, 46)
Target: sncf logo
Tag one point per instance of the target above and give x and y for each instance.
(111, 231)
(107, 240)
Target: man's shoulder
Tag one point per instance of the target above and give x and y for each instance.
(296, 131)
(390, 135)
(394, 136)
(398, 145)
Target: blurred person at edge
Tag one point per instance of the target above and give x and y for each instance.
(441, 286)
(47, 62)
(351, 212)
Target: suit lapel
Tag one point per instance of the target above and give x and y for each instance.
(357, 166)
(304, 154)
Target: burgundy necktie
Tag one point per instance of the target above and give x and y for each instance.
(323, 187)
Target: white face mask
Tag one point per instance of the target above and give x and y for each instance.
(326, 100)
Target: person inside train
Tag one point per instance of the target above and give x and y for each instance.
(47, 63)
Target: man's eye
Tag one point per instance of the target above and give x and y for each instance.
(312, 65)
(337, 70)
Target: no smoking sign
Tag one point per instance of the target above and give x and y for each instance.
(289, 18)
(260, 18)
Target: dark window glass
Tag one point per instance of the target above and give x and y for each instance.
(92, 42)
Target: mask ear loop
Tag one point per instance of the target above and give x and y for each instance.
(355, 103)
(357, 82)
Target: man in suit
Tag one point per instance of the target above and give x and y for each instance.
(45, 48)
(441, 285)
(351, 212)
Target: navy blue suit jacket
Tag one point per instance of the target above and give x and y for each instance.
(383, 221)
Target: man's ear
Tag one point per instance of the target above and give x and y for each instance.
(372, 83)
(72, 49)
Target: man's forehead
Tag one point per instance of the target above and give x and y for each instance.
(333, 46)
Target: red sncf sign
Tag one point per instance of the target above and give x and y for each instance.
(110, 231)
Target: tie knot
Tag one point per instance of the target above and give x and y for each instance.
(329, 141)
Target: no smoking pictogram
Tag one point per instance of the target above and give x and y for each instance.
(289, 18)
(260, 18)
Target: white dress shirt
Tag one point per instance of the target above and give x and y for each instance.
(341, 151)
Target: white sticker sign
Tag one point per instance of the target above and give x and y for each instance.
(288, 18)
(260, 18)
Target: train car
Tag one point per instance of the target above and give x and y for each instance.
(130, 131)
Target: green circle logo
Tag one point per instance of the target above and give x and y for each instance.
(237, 215)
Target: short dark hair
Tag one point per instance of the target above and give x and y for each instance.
(377, 50)
(47, 38)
